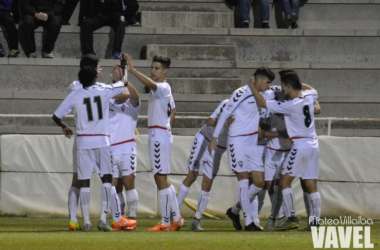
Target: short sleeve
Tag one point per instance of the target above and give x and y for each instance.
(282, 107)
(65, 107)
(162, 90)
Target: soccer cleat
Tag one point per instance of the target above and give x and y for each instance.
(131, 228)
(176, 225)
(159, 227)
(305, 229)
(74, 226)
(270, 224)
(87, 228)
(291, 223)
(282, 221)
(253, 227)
(123, 223)
(14, 53)
(235, 219)
(103, 226)
(196, 225)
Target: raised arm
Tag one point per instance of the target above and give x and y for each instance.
(133, 95)
(143, 78)
(259, 98)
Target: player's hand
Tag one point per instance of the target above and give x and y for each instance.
(117, 73)
(129, 64)
(67, 132)
(287, 143)
(213, 143)
(252, 82)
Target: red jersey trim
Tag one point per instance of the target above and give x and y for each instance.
(254, 133)
(281, 150)
(156, 126)
(93, 135)
(300, 137)
(122, 142)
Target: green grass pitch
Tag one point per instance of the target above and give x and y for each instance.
(52, 233)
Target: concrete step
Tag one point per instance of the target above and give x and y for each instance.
(204, 85)
(192, 52)
(185, 19)
(332, 46)
(185, 125)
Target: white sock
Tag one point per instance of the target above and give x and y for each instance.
(85, 204)
(244, 201)
(73, 203)
(315, 209)
(122, 202)
(106, 193)
(289, 202)
(203, 199)
(132, 201)
(165, 202)
(261, 197)
(277, 203)
(174, 204)
(236, 208)
(115, 205)
(306, 200)
(182, 193)
(255, 210)
(253, 191)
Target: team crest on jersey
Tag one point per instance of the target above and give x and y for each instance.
(240, 163)
(229, 107)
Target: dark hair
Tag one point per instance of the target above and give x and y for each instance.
(87, 76)
(165, 61)
(89, 60)
(284, 71)
(292, 79)
(264, 71)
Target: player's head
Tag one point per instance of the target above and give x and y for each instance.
(160, 67)
(87, 76)
(263, 77)
(291, 80)
(285, 71)
(91, 60)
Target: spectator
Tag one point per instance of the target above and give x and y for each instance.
(87, 8)
(245, 6)
(291, 11)
(111, 14)
(132, 6)
(8, 21)
(41, 13)
(2, 53)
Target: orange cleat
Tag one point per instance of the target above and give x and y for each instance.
(123, 223)
(132, 227)
(74, 226)
(176, 226)
(159, 227)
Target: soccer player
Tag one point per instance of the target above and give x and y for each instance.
(123, 119)
(91, 106)
(243, 152)
(302, 160)
(160, 105)
(200, 160)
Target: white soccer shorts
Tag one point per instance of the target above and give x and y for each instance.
(160, 154)
(273, 163)
(244, 158)
(124, 165)
(89, 159)
(302, 162)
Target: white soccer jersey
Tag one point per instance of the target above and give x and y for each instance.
(277, 123)
(91, 106)
(208, 131)
(123, 120)
(75, 85)
(299, 114)
(242, 105)
(160, 104)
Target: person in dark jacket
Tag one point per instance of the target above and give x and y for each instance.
(110, 14)
(87, 8)
(8, 21)
(41, 13)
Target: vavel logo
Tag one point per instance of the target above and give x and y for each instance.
(340, 233)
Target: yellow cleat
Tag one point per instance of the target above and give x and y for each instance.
(74, 226)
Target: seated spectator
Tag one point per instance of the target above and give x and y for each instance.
(87, 8)
(132, 6)
(41, 13)
(110, 14)
(8, 22)
(291, 11)
(2, 53)
(245, 7)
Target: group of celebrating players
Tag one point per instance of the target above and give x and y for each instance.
(268, 133)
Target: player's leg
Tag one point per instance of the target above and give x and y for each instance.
(118, 183)
(184, 188)
(73, 196)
